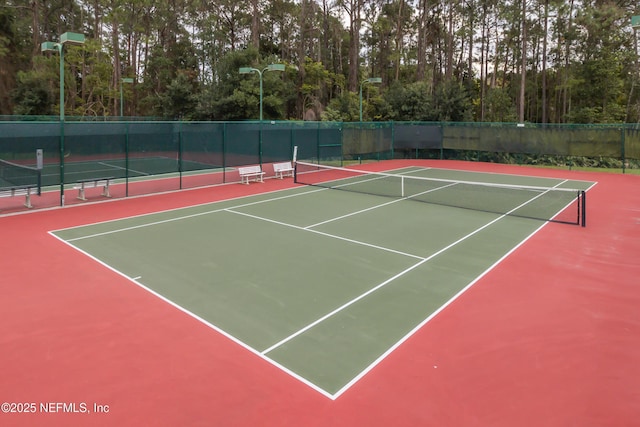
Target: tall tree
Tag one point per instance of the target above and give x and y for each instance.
(353, 9)
(523, 63)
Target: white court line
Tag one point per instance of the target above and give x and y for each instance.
(333, 236)
(402, 273)
(412, 170)
(419, 326)
(505, 174)
(263, 353)
(370, 291)
(179, 218)
(122, 168)
(440, 309)
(378, 206)
(224, 333)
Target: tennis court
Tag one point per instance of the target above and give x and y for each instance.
(133, 168)
(325, 283)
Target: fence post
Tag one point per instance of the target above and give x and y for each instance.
(441, 141)
(224, 152)
(622, 143)
(393, 140)
(126, 159)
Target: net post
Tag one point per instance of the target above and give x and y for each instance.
(295, 164)
(180, 153)
(39, 167)
(583, 194)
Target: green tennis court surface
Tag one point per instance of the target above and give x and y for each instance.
(322, 283)
(134, 168)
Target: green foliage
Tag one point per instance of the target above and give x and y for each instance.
(412, 102)
(32, 96)
(378, 109)
(171, 79)
(98, 96)
(345, 108)
(185, 57)
(233, 107)
(4, 49)
(316, 79)
(499, 106)
(178, 101)
(452, 103)
(230, 93)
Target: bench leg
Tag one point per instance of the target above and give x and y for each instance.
(81, 192)
(27, 197)
(105, 191)
(246, 179)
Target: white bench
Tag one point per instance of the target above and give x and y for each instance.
(92, 183)
(248, 172)
(283, 169)
(20, 190)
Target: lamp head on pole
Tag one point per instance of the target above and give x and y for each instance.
(246, 70)
(67, 38)
(275, 67)
(49, 47)
(72, 39)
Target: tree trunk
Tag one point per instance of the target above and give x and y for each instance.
(565, 73)
(354, 10)
(255, 25)
(422, 31)
(301, 56)
(399, 37)
(35, 37)
(523, 64)
(115, 26)
(544, 62)
(448, 73)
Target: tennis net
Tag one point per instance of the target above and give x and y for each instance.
(13, 175)
(542, 203)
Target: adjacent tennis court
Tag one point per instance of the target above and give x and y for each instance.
(323, 283)
(133, 168)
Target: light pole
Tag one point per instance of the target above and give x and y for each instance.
(123, 80)
(369, 80)
(69, 39)
(270, 67)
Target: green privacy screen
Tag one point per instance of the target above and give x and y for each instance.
(568, 140)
